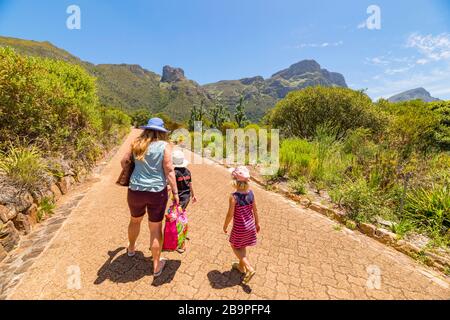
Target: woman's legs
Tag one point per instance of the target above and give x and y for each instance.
(133, 232)
(156, 207)
(244, 263)
(156, 243)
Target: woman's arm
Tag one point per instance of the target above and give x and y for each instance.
(126, 158)
(170, 172)
(229, 216)
(255, 214)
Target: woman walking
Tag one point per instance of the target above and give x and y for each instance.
(148, 187)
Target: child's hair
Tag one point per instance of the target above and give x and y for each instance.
(240, 185)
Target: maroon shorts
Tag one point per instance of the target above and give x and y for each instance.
(153, 202)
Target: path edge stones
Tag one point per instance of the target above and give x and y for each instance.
(30, 248)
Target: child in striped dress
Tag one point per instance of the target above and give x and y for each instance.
(242, 210)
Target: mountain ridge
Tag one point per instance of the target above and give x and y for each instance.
(132, 87)
(413, 94)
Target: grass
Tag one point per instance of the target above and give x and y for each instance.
(46, 207)
(23, 165)
(429, 209)
(422, 258)
(447, 271)
(350, 224)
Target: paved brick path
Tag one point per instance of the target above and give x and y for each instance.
(300, 254)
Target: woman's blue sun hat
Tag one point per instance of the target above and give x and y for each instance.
(156, 124)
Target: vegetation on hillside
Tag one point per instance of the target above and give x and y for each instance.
(131, 87)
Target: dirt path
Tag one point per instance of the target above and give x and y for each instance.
(301, 255)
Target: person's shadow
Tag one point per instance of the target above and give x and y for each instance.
(227, 279)
(124, 269)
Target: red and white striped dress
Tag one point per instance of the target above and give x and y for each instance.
(243, 233)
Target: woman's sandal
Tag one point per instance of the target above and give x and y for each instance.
(131, 254)
(161, 269)
(248, 276)
(236, 266)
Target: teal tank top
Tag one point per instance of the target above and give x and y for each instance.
(148, 174)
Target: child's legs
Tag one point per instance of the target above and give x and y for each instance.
(241, 254)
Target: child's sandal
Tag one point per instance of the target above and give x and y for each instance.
(236, 266)
(248, 276)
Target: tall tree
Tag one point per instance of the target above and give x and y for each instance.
(197, 114)
(239, 115)
(219, 114)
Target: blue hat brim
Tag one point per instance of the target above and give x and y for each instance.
(156, 128)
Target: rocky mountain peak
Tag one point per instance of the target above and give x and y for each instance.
(135, 68)
(171, 74)
(297, 69)
(249, 81)
(414, 94)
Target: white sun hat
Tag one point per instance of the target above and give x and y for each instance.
(178, 159)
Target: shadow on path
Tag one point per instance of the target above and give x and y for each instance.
(227, 279)
(124, 269)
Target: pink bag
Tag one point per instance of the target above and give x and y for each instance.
(170, 229)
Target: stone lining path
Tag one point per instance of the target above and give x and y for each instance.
(301, 254)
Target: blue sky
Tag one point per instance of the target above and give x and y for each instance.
(230, 39)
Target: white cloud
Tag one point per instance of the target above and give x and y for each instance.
(393, 71)
(437, 81)
(378, 61)
(422, 61)
(392, 65)
(434, 48)
(428, 67)
(320, 45)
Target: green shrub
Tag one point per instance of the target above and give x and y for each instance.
(87, 150)
(301, 112)
(320, 161)
(40, 96)
(295, 157)
(359, 144)
(413, 125)
(298, 186)
(140, 117)
(362, 202)
(253, 126)
(351, 224)
(23, 165)
(228, 125)
(330, 161)
(53, 104)
(170, 124)
(115, 125)
(442, 132)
